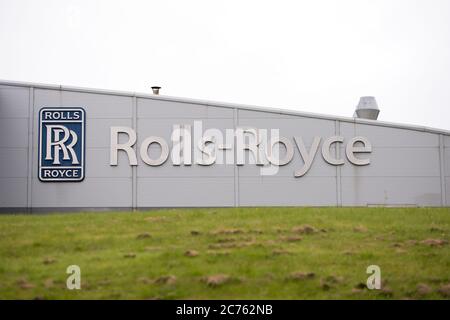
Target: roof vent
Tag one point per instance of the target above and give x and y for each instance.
(155, 90)
(367, 109)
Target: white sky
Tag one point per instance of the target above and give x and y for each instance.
(316, 56)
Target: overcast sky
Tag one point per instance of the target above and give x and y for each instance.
(316, 56)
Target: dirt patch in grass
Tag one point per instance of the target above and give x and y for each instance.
(305, 229)
(411, 242)
(226, 240)
(291, 238)
(234, 240)
(49, 283)
(434, 242)
(361, 286)
(228, 231)
(296, 276)
(23, 283)
(334, 279)
(330, 282)
(49, 260)
(217, 280)
(218, 253)
(396, 245)
(255, 231)
(325, 286)
(423, 289)
(387, 292)
(360, 229)
(444, 290)
(191, 253)
(144, 235)
(169, 279)
(144, 280)
(229, 243)
(278, 252)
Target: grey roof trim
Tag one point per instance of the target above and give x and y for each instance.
(225, 105)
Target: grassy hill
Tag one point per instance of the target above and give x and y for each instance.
(235, 253)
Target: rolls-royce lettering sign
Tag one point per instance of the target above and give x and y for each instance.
(268, 149)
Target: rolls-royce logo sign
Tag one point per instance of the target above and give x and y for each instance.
(62, 147)
(61, 144)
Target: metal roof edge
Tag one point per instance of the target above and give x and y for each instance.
(225, 105)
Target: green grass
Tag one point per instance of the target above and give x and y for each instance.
(35, 251)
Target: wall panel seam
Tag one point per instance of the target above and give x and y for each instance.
(338, 168)
(442, 169)
(30, 154)
(134, 168)
(236, 168)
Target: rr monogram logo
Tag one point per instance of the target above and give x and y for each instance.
(58, 144)
(61, 144)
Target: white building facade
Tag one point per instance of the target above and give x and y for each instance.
(66, 148)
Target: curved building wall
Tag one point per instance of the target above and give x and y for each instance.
(409, 166)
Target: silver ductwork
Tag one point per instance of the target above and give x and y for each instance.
(367, 108)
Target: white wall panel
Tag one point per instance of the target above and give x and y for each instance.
(148, 108)
(219, 112)
(13, 163)
(13, 192)
(99, 105)
(392, 162)
(447, 161)
(447, 141)
(275, 191)
(362, 191)
(447, 190)
(14, 102)
(14, 133)
(382, 136)
(97, 164)
(185, 192)
(92, 192)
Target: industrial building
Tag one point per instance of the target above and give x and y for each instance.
(67, 148)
